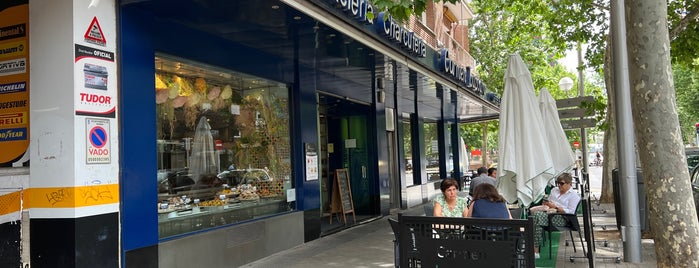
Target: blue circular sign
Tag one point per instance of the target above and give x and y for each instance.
(98, 137)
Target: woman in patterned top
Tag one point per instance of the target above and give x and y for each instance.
(448, 204)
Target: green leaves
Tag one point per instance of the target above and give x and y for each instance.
(686, 78)
(684, 30)
(401, 10)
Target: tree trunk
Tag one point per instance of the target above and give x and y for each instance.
(673, 217)
(610, 141)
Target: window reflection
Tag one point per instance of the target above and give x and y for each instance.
(223, 146)
(432, 150)
(408, 153)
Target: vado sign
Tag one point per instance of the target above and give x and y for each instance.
(98, 143)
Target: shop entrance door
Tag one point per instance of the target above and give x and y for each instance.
(345, 138)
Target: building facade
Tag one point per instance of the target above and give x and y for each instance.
(213, 133)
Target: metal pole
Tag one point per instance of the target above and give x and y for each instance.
(630, 233)
(583, 132)
(484, 149)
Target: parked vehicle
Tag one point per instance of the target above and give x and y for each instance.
(692, 154)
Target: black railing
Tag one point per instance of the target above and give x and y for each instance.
(464, 242)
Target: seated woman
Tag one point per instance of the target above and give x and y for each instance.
(563, 200)
(448, 204)
(488, 203)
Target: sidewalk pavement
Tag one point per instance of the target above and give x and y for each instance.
(370, 244)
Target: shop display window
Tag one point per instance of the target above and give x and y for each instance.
(432, 150)
(224, 152)
(408, 152)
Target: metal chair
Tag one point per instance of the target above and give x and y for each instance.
(396, 236)
(572, 224)
(516, 213)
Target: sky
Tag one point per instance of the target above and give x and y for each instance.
(571, 59)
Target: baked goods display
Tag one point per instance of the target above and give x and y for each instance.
(266, 193)
(248, 195)
(174, 203)
(242, 192)
(213, 203)
(225, 192)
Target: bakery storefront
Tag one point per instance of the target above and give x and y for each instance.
(232, 130)
(256, 106)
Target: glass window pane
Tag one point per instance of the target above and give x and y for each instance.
(432, 150)
(408, 153)
(223, 146)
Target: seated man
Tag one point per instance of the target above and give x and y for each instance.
(482, 178)
(493, 172)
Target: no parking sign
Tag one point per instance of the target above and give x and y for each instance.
(98, 148)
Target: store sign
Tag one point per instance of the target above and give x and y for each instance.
(13, 119)
(13, 87)
(14, 82)
(460, 73)
(13, 134)
(15, 66)
(358, 9)
(13, 49)
(13, 31)
(392, 30)
(385, 25)
(401, 35)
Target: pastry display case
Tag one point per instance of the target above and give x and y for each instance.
(223, 146)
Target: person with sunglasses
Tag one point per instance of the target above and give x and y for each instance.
(563, 199)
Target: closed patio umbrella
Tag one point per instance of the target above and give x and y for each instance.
(562, 155)
(525, 163)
